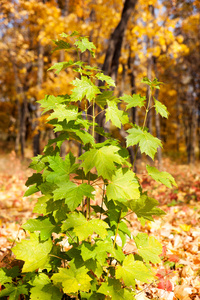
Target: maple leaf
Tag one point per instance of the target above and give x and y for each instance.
(13, 291)
(101, 99)
(103, 159)
(148, 143)
(62, 168)
(100, 251)
(83, 228)
(61, 66)
(62, 112)
(117, 116)
(43, 225)
(72, 193)
(161, 109)
(165, 284)
(105, 78)
(123, 185)
(84, 88)
(31, 190)
(132, 270)
(43, 288)
(73, 279)
(153, 84)
(83, 44)
(163, 177)
(148, 247)
(50, 102)
(61, 45)
(145, 208)
(33, 252)
(4, 278)
(113, 289)
(134, 100)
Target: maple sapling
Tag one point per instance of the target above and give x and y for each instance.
(93, 265)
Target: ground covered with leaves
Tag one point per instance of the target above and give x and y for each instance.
(178, 276)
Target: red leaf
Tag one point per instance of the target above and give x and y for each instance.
(173, 258)
(165, 284)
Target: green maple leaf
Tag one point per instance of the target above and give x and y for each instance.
(31, 190)
(61, 66)
(103, 248)
(33, 252)
(145, 208)
(84, 136)
(132, 270)
(148, 143)
(100, 251)
(134, 100)
(117, 116)
(72, 193)
(83, 44)
(148, 247)
(61, 45)
(153, 84)
(103, 159)
(35, 178)
(163, 177)
(62, 112)
(37, 163)
(83, 228)
(161, 109)
(101, 99)
(114, 290)
(105, 78)
(123, 185)
(4, 278)
(50, 102)
(43, 289)
(89, 227)
(41, 205)
(84, 88)
(13, 291)
(43, 225)
(73, 279)
(74, 33)
(62, 168)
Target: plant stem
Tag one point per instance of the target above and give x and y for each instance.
(93, 118)
(145, 119)
(102, 199)
(117, 229)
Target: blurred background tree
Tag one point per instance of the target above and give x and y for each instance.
(153, 38)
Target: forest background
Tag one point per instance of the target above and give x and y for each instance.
(134, 39)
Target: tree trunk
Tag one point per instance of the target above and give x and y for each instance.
(131, 74)
(36, 138)
(111, 62)
(149, 74)
(22, 113)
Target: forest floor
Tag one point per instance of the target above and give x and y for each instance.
(178, 276)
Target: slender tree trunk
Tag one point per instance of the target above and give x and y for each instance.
(134, 112)
(178, 120)
(111, 62)
(149, 74)
(123, 79)
(36, 138)
(22, 113)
